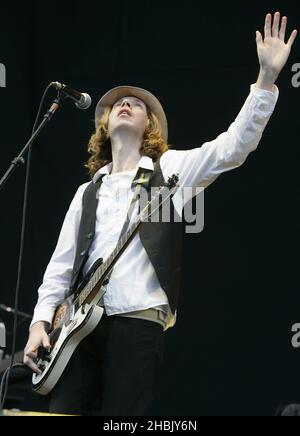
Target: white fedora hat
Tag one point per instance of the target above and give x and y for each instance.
(109, 99)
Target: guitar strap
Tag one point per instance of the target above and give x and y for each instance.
(88, 220)
(141, 179)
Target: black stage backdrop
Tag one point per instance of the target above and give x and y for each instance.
(230, 352)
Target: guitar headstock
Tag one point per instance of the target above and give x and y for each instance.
(166, 191)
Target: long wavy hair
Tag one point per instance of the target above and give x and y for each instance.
(99, 145)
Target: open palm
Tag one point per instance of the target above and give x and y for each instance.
(272, 50)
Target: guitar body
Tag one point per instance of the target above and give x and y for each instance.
(79, 324)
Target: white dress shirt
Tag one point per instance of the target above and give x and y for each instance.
(133, 284)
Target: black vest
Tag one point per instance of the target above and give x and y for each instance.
(162, 241)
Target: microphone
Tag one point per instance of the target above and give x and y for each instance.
(11, 310)
(82, 100)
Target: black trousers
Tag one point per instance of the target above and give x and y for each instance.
(115, 371)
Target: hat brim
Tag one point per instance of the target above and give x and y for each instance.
(109, 99)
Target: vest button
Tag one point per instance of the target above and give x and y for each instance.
(83, 253)
(90, 236)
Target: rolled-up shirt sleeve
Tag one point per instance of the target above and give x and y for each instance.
(58, 273)
(201, 166)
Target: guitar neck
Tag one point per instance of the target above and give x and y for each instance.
(103, 270)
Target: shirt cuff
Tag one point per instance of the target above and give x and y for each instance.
(258, 92)
(43, 314)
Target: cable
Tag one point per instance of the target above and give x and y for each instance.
(6, 375)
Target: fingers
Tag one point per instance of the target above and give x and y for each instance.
(30, 354)
(292, 38)
(30, 363)
(283, 29)
(46, 342)
(275, 28)
(278, 30)
(259, 38)
(268, 23)
(31, 350)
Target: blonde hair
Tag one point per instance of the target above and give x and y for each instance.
(99, 145)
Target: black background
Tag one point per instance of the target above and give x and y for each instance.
(230, 352)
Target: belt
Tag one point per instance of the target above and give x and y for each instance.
(151, 314)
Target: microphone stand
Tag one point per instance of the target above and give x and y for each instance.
(12, 310)
(19, 160)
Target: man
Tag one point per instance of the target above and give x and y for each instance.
(115, 370)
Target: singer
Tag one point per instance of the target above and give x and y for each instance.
(116, 369)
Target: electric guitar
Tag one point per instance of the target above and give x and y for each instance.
(79, 314)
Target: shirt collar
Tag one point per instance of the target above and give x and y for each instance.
(145, 162)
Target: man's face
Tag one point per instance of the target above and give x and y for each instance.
(128, 113)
